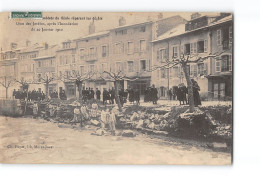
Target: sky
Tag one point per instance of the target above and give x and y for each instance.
(12, 31)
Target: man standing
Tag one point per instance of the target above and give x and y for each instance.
(98, 93)
(154, 93)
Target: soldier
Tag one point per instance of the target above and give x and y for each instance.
(112, 95)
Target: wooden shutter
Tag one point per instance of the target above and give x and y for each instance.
(205, 45)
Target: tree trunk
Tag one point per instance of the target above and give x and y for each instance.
(6, 92)
(79, 85)
(47, 90)
(190, 91)
(117, 96)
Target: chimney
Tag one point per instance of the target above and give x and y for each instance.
(28, 43)
(195, 15)
(91, 27)
(160, 16)
(46, 46)
(13, 45)
(122, 21)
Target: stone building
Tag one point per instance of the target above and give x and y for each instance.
(206, 38)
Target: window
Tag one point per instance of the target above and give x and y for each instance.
(142, 45)
(230, 63)
(142, 29)
(104, 67)
(119, 48)
(104, 51)
(200, 46)
(191, 48)
(121, 32)
(61, 60)
(201, 69)
(130, 47)
(230, 34)
(143, 65)
(215, 90)
(205, 45)
(92, 52)
(193, 70)
(187, 49)
(217, 65)
(175, 51)
(219, 39)
(67, 73)
(225, 63)
(39, 64)
(163, 73)
(39, 77)
(66, 60)
(222, 90)
(119, 66)
(130, 66)
(73, 59)
(82, 70)
(91, 68)
(162, 55)
(60, 74)
(82, 53)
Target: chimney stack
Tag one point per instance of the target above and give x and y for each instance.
(28, 43)
(122, 21)
(46, 46)
(195, 15)
(160, 16)
(13, 45)
(91, 27)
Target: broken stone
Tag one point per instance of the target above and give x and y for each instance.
(94, 122)
(151, 125)
(219, 145)
(128, 133)
(140, 123)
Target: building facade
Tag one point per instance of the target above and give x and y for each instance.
(207, 39)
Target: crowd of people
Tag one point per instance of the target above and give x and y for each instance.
(151, 95)
(29, 96)
(180, 92)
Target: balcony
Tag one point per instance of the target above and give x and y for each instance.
(91, 57)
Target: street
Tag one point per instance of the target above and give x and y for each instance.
(27, 140)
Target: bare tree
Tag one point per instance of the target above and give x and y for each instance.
(46, 81)
(116, 77)
(6, 82)
(183, 61)
(78, 79)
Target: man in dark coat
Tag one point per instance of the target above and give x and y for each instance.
(154, 93)
(131, 95)
(105, 94)
(112, 95)
(196, 95)
(170, 94)
(98, 93)
(92, 93)
(137, 96)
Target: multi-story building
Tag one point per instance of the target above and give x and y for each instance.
(132, 49)
(8, 69)
(66, 62)
(45, 64)
(207, 39)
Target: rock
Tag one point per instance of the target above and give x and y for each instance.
(134, 116)
(151, 125)
(94, 122)
(219, 145)
(140, 123)
(128, 133)
(227, 127)
(100, 132)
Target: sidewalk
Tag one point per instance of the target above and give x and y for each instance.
(169, 103)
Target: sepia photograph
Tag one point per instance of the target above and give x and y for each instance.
(116, 88)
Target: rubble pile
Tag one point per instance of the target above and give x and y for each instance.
(178, 121)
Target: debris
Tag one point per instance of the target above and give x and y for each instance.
(94, 122)
(219, 145)
(128, 133)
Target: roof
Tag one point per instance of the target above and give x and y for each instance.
(96, 34)
(180, 29)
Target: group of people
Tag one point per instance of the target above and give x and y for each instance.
(29, 96)
(151, 94)
(105, 116)
(181, 92)
(89, 93)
